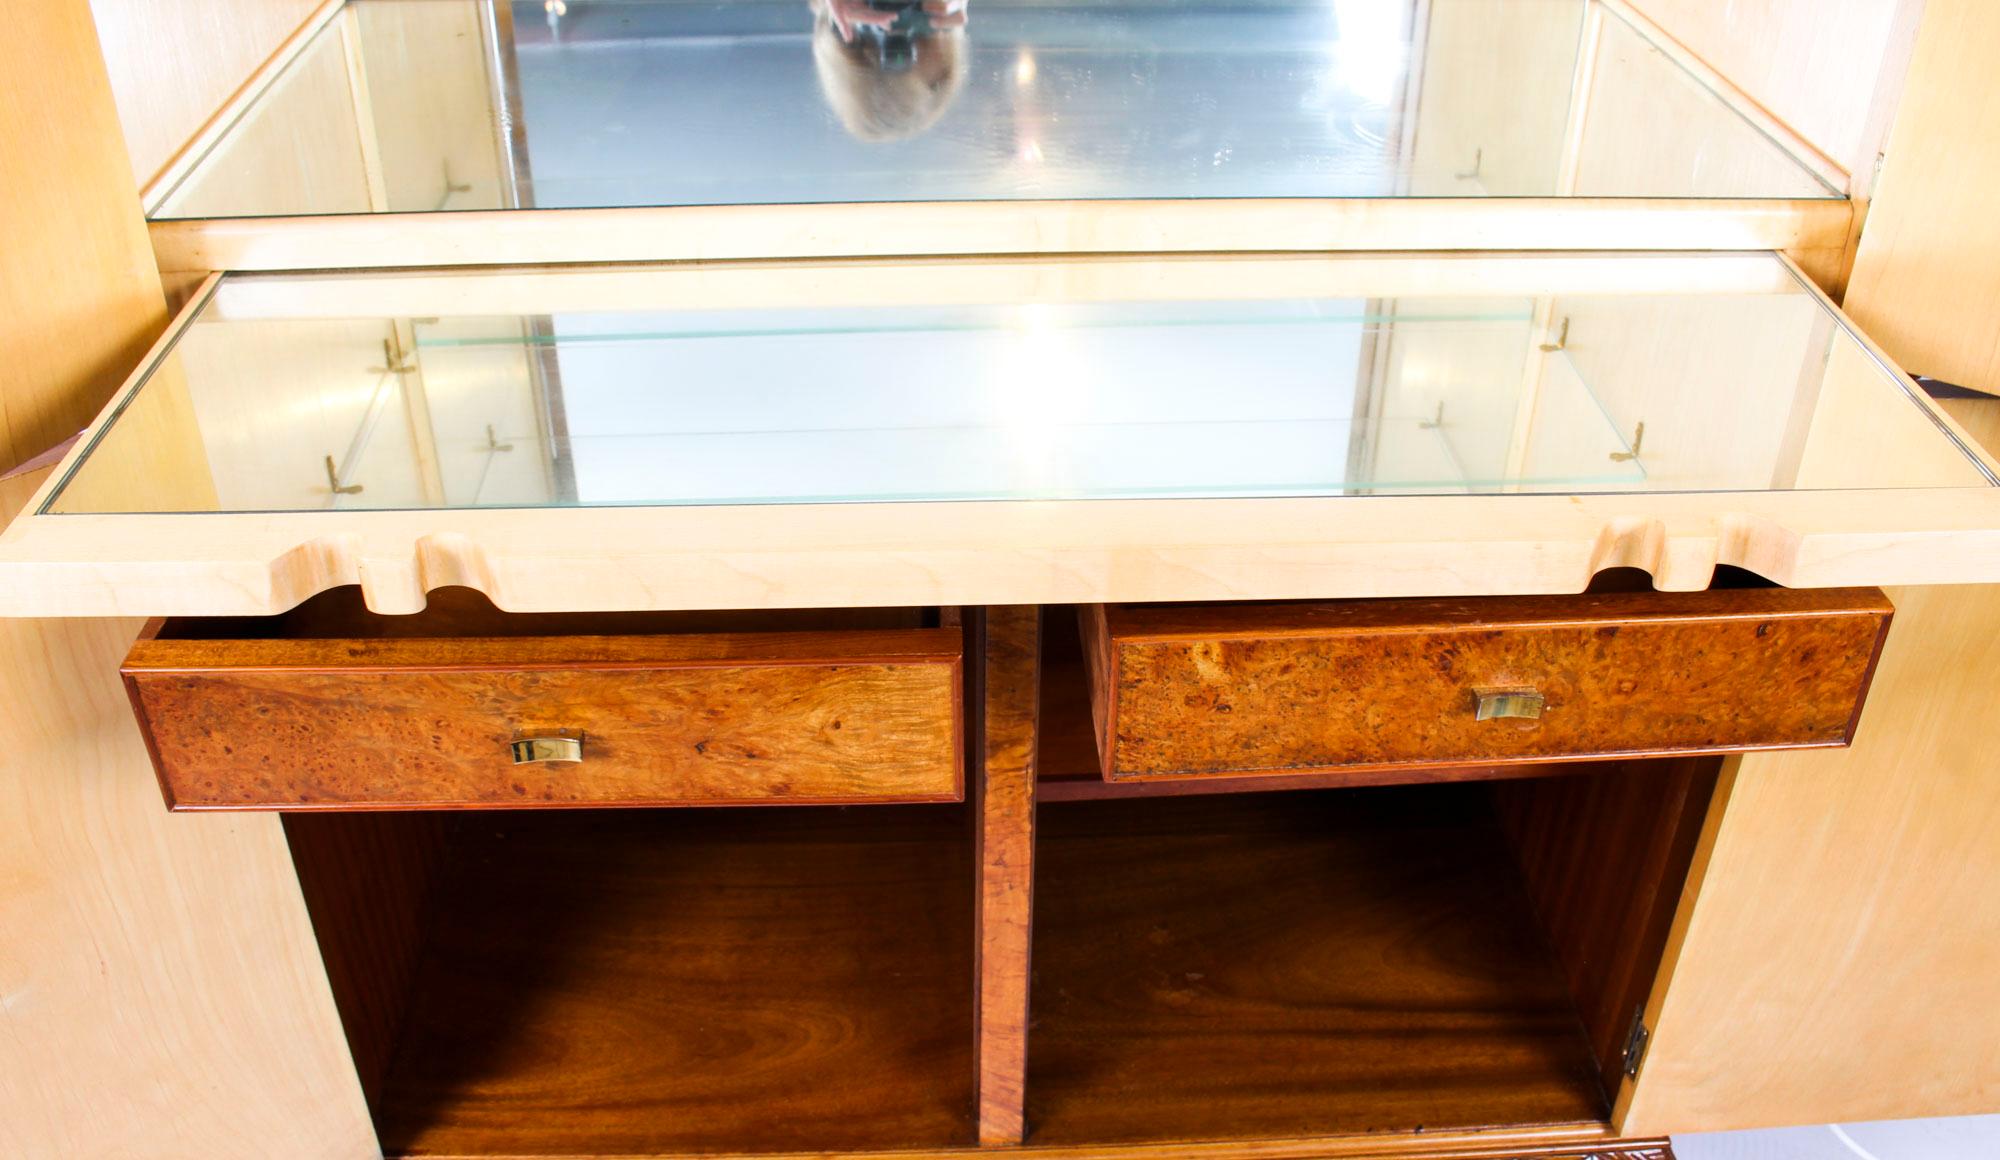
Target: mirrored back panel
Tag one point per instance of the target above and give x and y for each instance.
(1025, 379)
(441, 105)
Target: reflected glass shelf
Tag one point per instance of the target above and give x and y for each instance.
(443, 105)
(1010, 380)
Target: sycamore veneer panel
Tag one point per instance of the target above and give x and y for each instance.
(638, 983)
(1270, 966)
(841, 716)
(1211, 689)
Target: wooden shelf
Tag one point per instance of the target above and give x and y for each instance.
(690, 981)
(1293, 964)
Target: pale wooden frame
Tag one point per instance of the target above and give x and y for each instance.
(997, 552)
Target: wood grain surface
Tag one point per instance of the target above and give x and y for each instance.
(1605, 860)
(1279, 965)
(724, 717)
(1066, 764)
(81, 297)
(666, 981)
(368, 880)
(164, 996)
(161, 992)
(1181, 690)
(1836, 956)
(1008, 700)
(1926, 278)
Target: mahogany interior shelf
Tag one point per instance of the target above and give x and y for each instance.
(1290, 965)
(658, 981)
(1320, 963)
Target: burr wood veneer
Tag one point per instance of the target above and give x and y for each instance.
(1208, 689)
(327, 712)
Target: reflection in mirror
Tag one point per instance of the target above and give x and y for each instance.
(425, 105)
(889, 68)
(1013, 381)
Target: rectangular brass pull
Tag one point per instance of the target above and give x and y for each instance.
(1499, 704)
(530, 749)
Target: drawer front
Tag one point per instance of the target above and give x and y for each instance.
(725, 719)
(1180, 690)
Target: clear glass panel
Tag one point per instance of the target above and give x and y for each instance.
(419, 105)
(1021, 380)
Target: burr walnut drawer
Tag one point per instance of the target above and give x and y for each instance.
(346, 711)
(1193, 690)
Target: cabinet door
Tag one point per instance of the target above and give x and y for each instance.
(1837, 959)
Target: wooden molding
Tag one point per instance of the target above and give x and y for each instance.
(639, 234)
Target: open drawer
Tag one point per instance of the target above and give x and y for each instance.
(332, 707)
(1003, 431)
(1231, 689)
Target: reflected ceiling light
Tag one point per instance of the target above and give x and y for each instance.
(1371, 54)
(1031, 152)
(1039, 381)
(1024, 69)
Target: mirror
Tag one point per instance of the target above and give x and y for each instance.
(1021, 379)
(440, 105)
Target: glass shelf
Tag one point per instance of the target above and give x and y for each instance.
(857, 383)
(443, 105)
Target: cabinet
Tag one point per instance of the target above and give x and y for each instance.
(1429, 828)
(1914, 513)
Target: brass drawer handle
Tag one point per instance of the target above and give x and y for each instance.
(1504, 704)
(531, 749)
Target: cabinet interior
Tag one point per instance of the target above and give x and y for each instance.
(635, 982)
(1318, 962)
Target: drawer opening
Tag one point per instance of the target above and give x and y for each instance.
(340, 613)
(634, 982)
(1350, 961)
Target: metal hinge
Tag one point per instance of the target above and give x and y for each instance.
(1635, 1043)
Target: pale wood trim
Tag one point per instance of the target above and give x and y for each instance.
(543, 236)
(364, 109)
(402, 350)
(1590, 39)
(782, 556)
(182, 163)
(950, 281)
(1826, 169)
(1534, 369)
(1897, 53)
